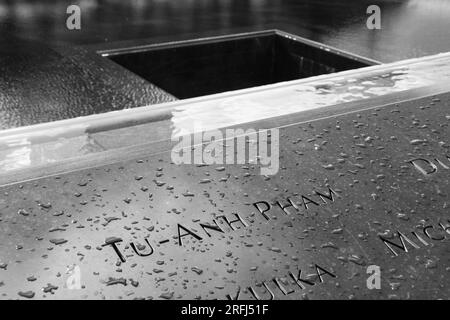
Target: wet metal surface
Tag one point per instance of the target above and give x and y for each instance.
(351, 194)
(302, 96)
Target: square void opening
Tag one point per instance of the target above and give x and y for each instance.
(202, 67)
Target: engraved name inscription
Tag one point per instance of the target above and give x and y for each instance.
(430, 166)
(284, 286)
(416, 240)
(233, 221)
(296, 204)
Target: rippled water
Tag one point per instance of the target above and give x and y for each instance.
(48, 86)
(410, 28)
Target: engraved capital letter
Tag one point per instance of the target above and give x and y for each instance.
(112, 242)
(424, 166)
(140, 253)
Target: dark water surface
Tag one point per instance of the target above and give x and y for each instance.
(410, 28)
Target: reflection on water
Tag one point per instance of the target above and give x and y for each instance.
(409, 28)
